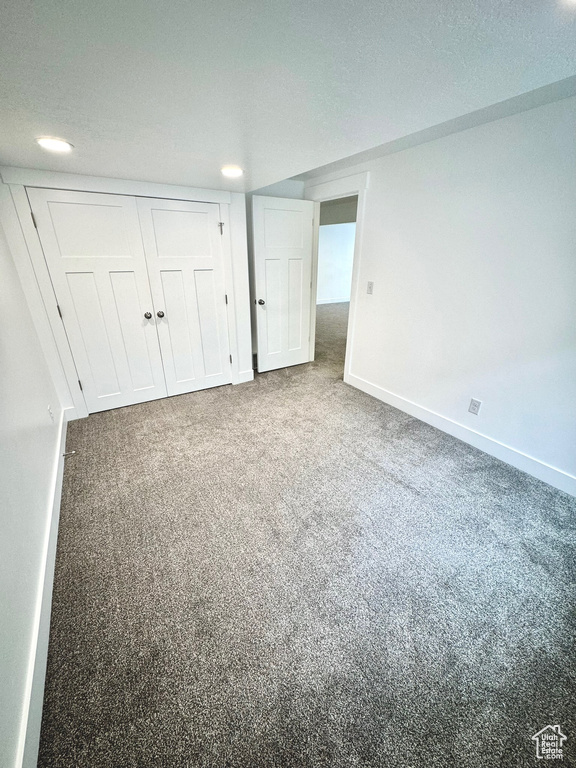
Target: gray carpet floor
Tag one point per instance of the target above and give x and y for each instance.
(290, 573)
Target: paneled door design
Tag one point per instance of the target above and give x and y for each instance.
(93, 249)
(182, 242)
(283, 271)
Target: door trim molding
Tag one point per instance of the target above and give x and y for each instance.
(357, 184)
(26, 250)
(235, 243)
(30, 177)
(314, 281)
(341, 187)
(229, 288)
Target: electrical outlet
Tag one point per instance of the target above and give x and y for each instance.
(51, 413)
(475, 406)
(370, 288)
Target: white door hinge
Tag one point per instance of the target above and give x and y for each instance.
(33, 219)
(59, 311)
(221, 225)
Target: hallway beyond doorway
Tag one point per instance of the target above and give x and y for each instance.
(331, 329)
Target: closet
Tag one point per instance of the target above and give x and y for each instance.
(140, 287)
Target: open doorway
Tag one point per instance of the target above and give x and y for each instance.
(336, 240)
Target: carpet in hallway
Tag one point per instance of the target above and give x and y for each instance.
(290, 573)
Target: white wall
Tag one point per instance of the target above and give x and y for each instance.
(470, 241)
(291, 188)
(29, 453)
(335, 259)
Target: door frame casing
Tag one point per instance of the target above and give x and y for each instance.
(347, 186)
(28, 257)
(26, 250)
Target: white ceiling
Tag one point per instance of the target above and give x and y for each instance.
(170, 90)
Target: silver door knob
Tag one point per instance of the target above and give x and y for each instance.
(261, 301)
(160, 314)
(147, 315)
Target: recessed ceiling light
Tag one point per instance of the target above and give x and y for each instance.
(232, 171)
(53, 144)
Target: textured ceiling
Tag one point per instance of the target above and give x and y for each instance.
(170, 90)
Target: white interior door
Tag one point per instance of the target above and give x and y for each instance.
(93, 249)
(182, 242)
(282, 231)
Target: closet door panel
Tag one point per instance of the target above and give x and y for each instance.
(139, 346)
(93, 250)
(207, 303)
(94, 334)
(182, 338)
(182, 242)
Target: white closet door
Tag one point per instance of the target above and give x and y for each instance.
(283, 272)
(93, 250)
(182, 242)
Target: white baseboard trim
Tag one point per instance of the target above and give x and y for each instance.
(32, 715)
(244, 376)
(539, 469)
(71, 414)
(333, 301)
